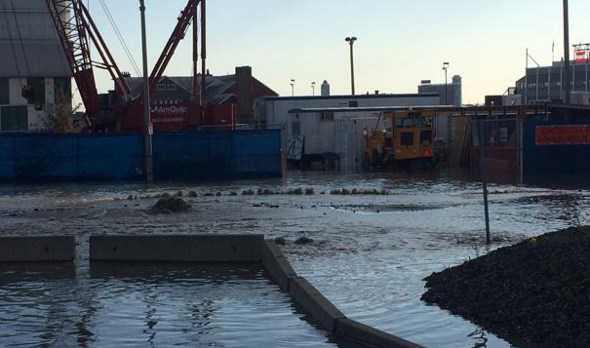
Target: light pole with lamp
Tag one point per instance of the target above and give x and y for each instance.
(148, 128)
(566, 54)
(351, 40)
(292, 87)
(313, 88)
(445, 68)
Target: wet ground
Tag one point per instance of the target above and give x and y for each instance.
(375, 236)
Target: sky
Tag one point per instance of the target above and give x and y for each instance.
(399, 42)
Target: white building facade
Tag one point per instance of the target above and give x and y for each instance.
(274, 111)
(35, 78)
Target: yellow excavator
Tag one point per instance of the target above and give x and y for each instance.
(400, 136)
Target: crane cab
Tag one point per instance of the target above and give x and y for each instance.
(403, 135)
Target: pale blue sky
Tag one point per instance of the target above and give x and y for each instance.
(400, 42)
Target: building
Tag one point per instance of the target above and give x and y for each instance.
(238, 91)
(449, 93)
(544, 83)
(274, 111)
(329, 127)
(35, 78)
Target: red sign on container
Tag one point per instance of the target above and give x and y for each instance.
(562, 135)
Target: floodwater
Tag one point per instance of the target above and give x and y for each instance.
(143, 305)
(375, 237)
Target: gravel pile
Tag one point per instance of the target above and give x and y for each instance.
(533, 294)
(171, 204)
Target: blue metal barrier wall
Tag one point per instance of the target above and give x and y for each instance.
(112, 156)
(51, 157)
(543, 160)
(217, 154)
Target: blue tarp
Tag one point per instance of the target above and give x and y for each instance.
(210, 155)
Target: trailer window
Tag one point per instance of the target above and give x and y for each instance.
(38, 85)
(14, 118)
(4, 92)
(327, 116)
(408, 122)
(407, 138)
(296, 128)
(425, 137)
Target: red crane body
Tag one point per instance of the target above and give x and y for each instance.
(75, 27)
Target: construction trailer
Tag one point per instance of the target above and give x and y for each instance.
(334, 135)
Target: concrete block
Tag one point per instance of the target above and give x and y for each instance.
(308, 297)
(365, 335)
(276, 264)
(42, 248)
(192, 248)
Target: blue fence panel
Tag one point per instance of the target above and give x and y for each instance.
(257, 153)
(6, 157)
(542, 160)
(49, 156)
(189, 155)
(192, 155)
(111, 157)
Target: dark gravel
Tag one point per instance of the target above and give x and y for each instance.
(170, 204)
(533, 294)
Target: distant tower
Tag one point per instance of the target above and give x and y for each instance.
(457, 90)
(325, 89)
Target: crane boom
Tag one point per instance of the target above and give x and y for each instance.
(74, 27)
(72, 35)
(108, 62)
(76, 30)
(184, 20)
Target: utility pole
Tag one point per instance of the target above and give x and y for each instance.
(196, 92)
(148, 128)
(203, 59)
(445, 68)
(482, 172)
(566, 54)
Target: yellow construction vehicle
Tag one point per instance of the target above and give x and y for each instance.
(404, 135)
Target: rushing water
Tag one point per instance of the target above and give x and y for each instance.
(376, 237)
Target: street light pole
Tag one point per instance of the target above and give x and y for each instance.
(445, 68)
(292, 87)
(351, 41)
(149, 167)
(566, 53)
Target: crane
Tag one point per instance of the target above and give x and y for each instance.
(76, 28)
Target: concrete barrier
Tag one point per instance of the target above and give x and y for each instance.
(194, 248)
(368, 336)
(308, 297)
(33, 249)
(277, 265)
